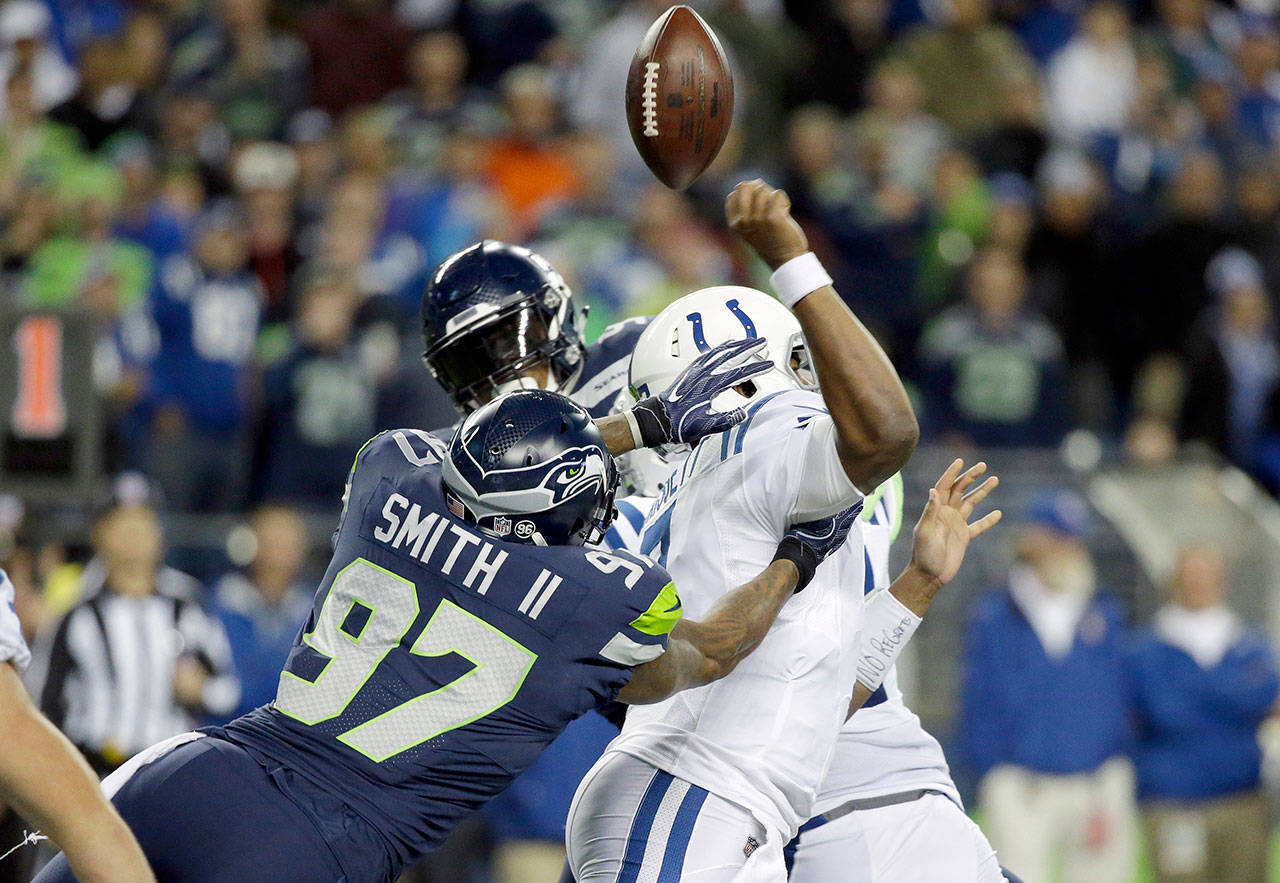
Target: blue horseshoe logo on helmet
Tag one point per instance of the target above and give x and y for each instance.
(700, 339)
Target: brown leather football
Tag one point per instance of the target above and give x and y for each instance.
(679, 97)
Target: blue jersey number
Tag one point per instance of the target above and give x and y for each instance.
(367, 613)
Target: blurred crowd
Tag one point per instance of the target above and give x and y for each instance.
(1083, 732)
(1055, 215)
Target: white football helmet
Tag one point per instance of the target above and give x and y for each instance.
(707, 318)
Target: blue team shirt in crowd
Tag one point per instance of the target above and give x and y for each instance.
(1197, 728)
(438, 663)
(208, 328)
(1020, 706)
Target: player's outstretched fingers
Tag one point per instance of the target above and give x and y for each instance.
(977, 495)
(985, 523)
(948, 478)
(965, 481)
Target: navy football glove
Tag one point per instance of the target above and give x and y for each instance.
(682, 413)
(809, 544)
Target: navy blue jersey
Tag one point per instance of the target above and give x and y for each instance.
(437, 662)
(605, 373)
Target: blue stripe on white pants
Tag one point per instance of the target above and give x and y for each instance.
(661, 831)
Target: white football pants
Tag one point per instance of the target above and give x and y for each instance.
(633, 823)
(926, 839)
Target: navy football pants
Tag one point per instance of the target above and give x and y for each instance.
(207, 811)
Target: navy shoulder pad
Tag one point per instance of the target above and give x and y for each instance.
(608, 361)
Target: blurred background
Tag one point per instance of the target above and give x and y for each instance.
(1060, 217)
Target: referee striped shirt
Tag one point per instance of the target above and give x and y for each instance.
(109, 670)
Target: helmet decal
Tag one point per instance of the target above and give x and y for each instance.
(530, 466)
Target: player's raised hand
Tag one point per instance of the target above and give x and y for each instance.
(809, 544)
(761, 215)
(943, 532)
(682, 413)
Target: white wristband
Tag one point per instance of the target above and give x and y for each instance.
(887, 626)
(637, 437)
(799, 277)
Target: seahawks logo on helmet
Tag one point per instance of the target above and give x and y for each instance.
(534, 458)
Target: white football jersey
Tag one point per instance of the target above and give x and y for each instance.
(883, 749)
(761, 737)
(12, 646)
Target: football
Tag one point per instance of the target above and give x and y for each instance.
(679, 97)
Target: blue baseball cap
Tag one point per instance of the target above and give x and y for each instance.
(1060, 511)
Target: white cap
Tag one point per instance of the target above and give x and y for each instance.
(266, 166)
(23, 20)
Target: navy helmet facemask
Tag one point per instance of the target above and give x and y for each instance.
(493, 312)
(530, 467)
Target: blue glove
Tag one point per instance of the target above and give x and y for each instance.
(809, 544)
(682, 413)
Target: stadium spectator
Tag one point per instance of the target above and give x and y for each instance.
(255, 74)
(357, 50)
(846, 38)
(88, 266)
(310, 134)
(1257, 106)
(587, 239)
(1257, 211)
(1184, 35)
(963, 65)
(601, 77)
(320, 400)
(1164, 284)
(1044, 708)
(529, 163)
(207, 308)
(137, 660)
(1203, 683)
(1233, 363)
(25, 47)
(1071, 267)
(263, 607)
(438, 100)
(1019, 140)
(144, 218)
(958, 221)
(104, 103)
(908, 140)
(265, 174)
(360, 238)
(994, 367)
(1090, 82)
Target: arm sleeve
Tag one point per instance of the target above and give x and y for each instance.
(824, 487)
(1245, 687)
(654, 609)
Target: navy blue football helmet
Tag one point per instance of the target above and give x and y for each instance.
(530, 467)
(492, 312)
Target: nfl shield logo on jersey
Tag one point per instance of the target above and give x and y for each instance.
(502, 525)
